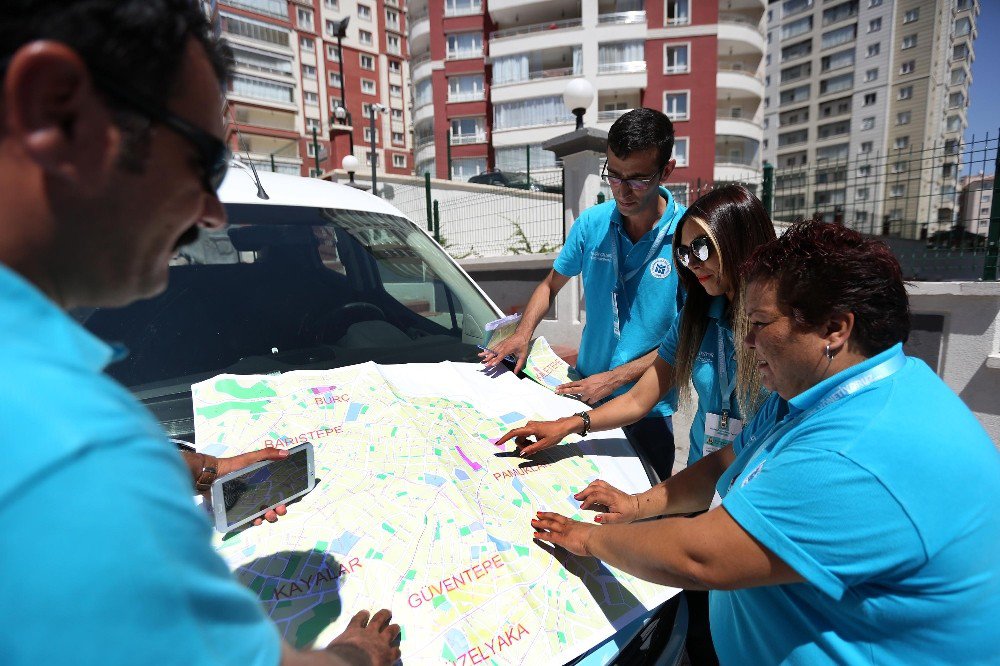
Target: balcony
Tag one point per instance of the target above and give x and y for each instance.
(424, 152)
(739, 35)
(466, 139)
(611, 116)
(623, 67)
(471, 96)
(472, 9)
(738, 127)
(563, 24)
(621, 18)
(420, 34)
(742, 83)
(275, 8)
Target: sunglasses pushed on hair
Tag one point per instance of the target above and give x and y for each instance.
(700, 249)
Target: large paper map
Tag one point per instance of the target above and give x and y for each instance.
(416, 510)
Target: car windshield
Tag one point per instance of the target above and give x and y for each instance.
(289, 288)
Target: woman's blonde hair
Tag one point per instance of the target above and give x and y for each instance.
(736, 223)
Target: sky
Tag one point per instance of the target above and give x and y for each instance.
(984, 94)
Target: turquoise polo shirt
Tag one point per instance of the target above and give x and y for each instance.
(705, 372)
(885, 503)
(651, 297)
(106, 559)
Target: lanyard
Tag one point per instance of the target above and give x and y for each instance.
(886, 368)
(620, 279)
(726, 385)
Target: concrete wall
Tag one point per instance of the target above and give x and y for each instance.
(956, 326)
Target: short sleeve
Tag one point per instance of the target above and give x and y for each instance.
(832, 521)
(116, 549)
(570, 259)
(668, 346)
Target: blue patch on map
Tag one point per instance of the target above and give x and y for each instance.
(353, 410)
(512, 417)
(500, 544)
(457, 641)
(434, 480)
(476, 526)
(462, 476)
(344, 543)
(552, 381)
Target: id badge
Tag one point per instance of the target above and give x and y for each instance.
(720, 432)
(614, 312)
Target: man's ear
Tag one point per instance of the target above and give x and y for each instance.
(838, 330)
(667, 170)
(55, 116)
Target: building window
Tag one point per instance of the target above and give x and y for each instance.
(675, 105)
(839, 36)
(899, 167)
(864, 170)
(532, 112)
(396, 114)
(306, 43)
(305, 18)
(468, 130)
(903, 118)
(909, 42)
(873, 49)
(874, 3)
(464, 45)
(795, 28)
(466, 167)
(675, 59)
(331, 4)
(462, 7)
(365, 38)
(861, 194)
(334, 103)
(332, 53)
(310, 98)
(963, 27)
(678, 12)
(871, 74)
(397, 138)
(364, 12)
(368, 86)
(335, 81)
(907, 67)
(911, 16)
(865, 147)
(956, 100)
(367, 62)
(399, 161)
(392, 19)
(868, 123)
(392, 44)
(902, 142)
(958, 77)
(368, 135)
(869, 99)
(875, 25)
(960, 52)
(898, 190)
(395, 67)
(465, 88)
(395, 91)
(681, 150)
(312, 124)
(308, 72)
(906, 92)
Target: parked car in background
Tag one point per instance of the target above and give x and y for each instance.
(515, 179)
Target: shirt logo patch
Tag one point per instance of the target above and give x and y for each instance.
(660, 268)
(600, 256)
(752, 475)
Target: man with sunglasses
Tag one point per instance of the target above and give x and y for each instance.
(111, 150)
(623, 250)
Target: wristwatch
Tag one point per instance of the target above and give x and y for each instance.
(209, 471)
(586, 422)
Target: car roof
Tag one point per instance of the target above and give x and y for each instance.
(284, 190)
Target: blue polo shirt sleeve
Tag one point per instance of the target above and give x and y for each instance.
(668, 346)
(825, 516)
(571, 256)
(121, 563)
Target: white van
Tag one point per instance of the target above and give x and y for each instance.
(316, 276)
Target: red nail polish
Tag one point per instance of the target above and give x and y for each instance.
(597, 519)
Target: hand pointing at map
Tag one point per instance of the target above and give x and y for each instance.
(545, 434)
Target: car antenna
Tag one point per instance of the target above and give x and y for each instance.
(261, 194)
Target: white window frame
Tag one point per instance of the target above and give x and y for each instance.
(673, 69)
(905, 92)
(687, 104)
(687, 150)
(366, 38)
(684, 19)
(309, 72)
(331, 53)
(370, 83)
(396, 159)
(307, 43)
(909, 42)
(304, 18)
(309, 97)
(364, 12)
(911, 15)
(361, 61)
(904, 118)
(368, 134)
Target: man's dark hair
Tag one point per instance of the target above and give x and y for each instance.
(639, 130)
(135, 43)
(821, 269)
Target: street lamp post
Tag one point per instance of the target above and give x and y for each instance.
(350, 164)
(343, 117)
(373, 110)
(340, 30)
(578, 95)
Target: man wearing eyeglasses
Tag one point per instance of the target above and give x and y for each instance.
(623, 250)
(111, 150)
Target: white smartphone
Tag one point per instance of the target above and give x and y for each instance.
(248, 493)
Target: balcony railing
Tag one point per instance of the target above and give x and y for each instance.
(626, 67)
(536, 27)
(467, 53)
(422, 141)
(463, 11)
(462, 139)
(275, 8)
(622, 18)
(742, 19)
(466, 96)
(611, 116)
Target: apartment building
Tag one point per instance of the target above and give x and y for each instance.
(865, 106)
(289, 81)
(488, 80)
(975, 203)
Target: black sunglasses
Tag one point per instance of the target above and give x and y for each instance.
(700, 249)
(213, 154)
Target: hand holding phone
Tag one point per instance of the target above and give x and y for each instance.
(246, 494)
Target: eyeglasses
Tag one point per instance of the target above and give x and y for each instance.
(634, 184)
(700, 249)
(213, 154)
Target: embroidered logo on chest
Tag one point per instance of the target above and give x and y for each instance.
(660, 268)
